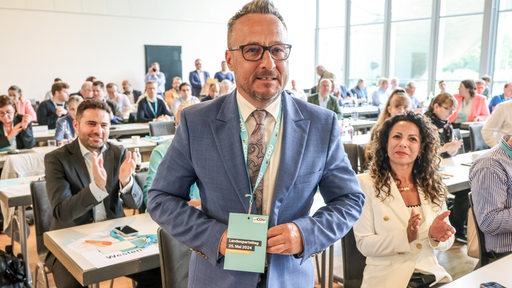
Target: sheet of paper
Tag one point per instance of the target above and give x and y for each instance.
(100, 256)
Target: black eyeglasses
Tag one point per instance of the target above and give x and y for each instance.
(254, 52)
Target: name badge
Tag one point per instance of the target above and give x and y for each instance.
(246, 246)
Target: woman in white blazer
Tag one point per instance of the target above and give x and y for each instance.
(404, 218)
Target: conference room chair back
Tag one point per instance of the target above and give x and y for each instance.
(351, 150)
(174, 260)
(353, 262)
(140, 178)
(484, 257)
(475, 137)
(42, 222)
(162, 128)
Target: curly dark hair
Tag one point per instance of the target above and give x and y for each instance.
(426, 167)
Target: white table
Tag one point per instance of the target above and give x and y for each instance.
(59, 242)
(116, 131)
(497, 271)
(455, 170)
(16, 193)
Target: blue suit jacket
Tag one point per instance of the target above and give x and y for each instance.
(207, 149)
(195, 81)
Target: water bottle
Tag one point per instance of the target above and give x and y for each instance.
(67, 135)
(350, 130)
(138, 159)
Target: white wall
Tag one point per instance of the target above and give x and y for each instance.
(73, 39)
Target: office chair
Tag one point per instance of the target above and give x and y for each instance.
(162, 128)
(174, 260)
(351, 150)
(42, 222)
(475, 137)
(484, 257)
(353, 261)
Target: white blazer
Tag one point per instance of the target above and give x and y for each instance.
(381, 236)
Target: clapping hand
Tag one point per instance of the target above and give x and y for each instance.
(440, 230)
(127, 168)
(413, 226)
(98, 171)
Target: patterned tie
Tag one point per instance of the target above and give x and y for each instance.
(256, 154)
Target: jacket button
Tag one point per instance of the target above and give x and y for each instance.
(419, 246)
(386, 218)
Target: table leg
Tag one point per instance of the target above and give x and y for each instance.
(24, 243)
(331, 265)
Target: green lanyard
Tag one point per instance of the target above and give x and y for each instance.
(244, 136)
(153, 110)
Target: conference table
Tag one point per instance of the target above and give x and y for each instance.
(494, 272)
(88, 264)
(16, 193)
(43, 134)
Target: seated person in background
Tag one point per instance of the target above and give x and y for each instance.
(174, 92)
(404, 218)
(296, 91)
(471, 107)
(99, 93)
(490, 178)
(50, 110)
(410, 88)
(507, 95)
(398, 102)
(480, 87)
(186, 95)
(224, 73)
(359, 93)
(23, 105)
(381, 95)
(17, 128)
(225, 87)
(65, 129)
(440, 109)
(324, 99)
(133, 95)
(213, 92)
(498, 125)
(89, 181)
(151, 107)
(156, 157)
(122, 101)
(85, 91)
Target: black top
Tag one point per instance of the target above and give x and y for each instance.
(444, 128)
(24, 139)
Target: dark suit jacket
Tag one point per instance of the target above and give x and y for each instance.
(207, 150)
(24, 139)
(67, 184)
(145, 114)
(195, 81)
(332, 104)
(46, 114)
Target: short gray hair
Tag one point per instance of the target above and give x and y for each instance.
(255, 7)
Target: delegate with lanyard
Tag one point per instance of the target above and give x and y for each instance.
(247, 233)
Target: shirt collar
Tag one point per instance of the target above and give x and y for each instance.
(85, 152)
(247, 108)
(504, 145)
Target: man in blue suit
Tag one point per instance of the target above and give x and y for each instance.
(207, 149)
(198, 78)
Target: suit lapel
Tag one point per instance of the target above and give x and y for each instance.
(226, 134)
(293, 142)
(397, 204)
(79, 164)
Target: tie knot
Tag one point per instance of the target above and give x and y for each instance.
(259, 116)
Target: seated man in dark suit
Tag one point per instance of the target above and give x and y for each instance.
(133, 95)
(88, 181)
(324, 99)
(152, 108)
(50, 110)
